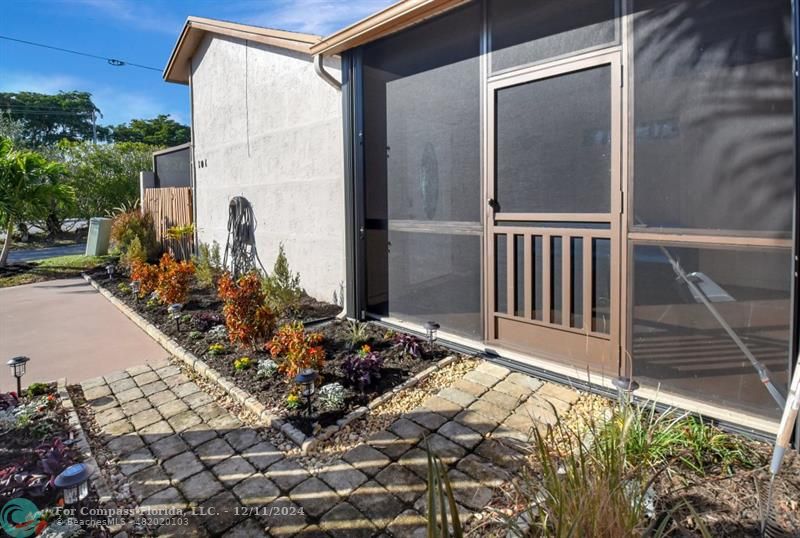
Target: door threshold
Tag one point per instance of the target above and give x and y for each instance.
(736, 421)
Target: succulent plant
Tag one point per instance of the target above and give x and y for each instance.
(331, 396)
(266, 368)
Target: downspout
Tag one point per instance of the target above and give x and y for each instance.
(319, 68)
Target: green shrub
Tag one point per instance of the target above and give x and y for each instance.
(208, 264)
(38, 389)
(135, 253)
(282, 287)
(130, 226)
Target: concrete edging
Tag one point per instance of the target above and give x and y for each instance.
(250, 402)
(97, 479)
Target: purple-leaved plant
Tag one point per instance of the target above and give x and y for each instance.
(363, 367)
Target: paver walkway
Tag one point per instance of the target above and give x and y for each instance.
(68, 330)
(179, 448)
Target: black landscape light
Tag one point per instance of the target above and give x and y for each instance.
(306, 379)
(110, 270)
(625, 387)
(175, 311)
(74, 482)
(431, 328)
(135, 287)
(17, 365)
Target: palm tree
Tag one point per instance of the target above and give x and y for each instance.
(27, 189)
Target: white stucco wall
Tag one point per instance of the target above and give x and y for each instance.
(266, 127)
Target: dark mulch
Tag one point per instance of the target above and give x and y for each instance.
(397, 366)
(731, 504)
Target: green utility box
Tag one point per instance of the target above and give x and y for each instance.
(99, 234)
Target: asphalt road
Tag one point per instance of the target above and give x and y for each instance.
(35, 254)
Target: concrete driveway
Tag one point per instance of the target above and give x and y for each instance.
(68, 330)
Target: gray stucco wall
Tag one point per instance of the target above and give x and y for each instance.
(266, 127)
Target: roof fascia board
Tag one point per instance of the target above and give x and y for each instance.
(388, 21)
(177, 69)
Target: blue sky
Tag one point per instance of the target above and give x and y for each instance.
(139, 31)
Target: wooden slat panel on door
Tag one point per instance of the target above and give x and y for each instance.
(566, 280)
(587, 284)
(546, 280)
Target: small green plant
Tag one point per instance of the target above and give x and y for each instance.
(356, 333)
(703, 446)
(440, 501)
(182, 235)
(38, 389)
(216, 349)
(243, 363)
(266, 368)
(208, 264)
(152, 303)
(135, 253)
(331, 396)
(195, 335)
(293, 401)
(282, 287)
(124, 288)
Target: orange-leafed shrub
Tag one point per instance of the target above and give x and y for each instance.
(147, 275)
(174, 278)
(247, 317)
(298, 348)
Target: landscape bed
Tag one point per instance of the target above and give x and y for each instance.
(36, 445)
(198, 331)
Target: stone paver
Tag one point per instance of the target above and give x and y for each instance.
(366, 459)
(256, 491)
(314, 496)
(200, 487)
(233, 470)
(401, 482)
(286, 474)
(179, 446)
(344, 521)
(460, 434)
(342, 477)
(183, 466)
(375, 502)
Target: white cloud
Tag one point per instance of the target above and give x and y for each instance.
(313, 16)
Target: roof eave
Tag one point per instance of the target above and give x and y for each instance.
(195, 28)
(394, 18)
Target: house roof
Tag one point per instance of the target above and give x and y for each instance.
(394, 18)
(178, 66)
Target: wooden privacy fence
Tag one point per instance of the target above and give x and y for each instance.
(170, 207)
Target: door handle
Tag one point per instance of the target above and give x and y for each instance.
(491, 202)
